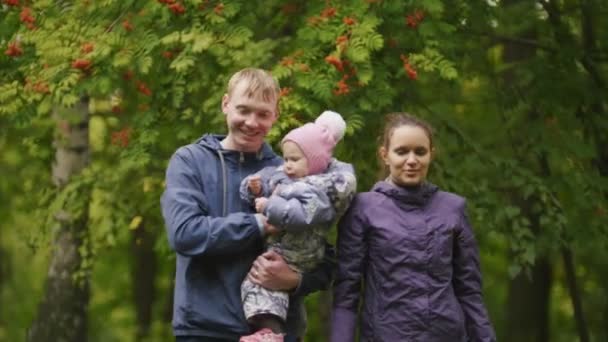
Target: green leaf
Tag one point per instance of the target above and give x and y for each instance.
(171, 39)
(144, 64)
(202, 41)
(514, 270)
(182, 63)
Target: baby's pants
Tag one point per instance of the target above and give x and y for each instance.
(258, 300)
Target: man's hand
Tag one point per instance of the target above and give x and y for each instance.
(260, 204)
(272, 272)
(268, 228)
(255, 185)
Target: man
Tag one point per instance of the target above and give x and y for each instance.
(216, 236)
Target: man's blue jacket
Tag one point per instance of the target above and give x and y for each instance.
(216, 238)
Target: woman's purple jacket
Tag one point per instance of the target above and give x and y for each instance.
(411, 254)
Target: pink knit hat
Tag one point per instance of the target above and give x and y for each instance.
(317, 140)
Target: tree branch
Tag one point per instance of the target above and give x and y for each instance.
(562, 34)
(522, 41)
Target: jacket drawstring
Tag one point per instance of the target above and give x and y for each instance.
(224, 184)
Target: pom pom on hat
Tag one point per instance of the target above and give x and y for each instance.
(334, 123)
(317, 140)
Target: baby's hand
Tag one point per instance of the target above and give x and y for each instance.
(255, 185)
(260, 204)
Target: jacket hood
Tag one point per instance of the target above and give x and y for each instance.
(414, 195)
(212, 142)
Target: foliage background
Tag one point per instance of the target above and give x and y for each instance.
(516, 91)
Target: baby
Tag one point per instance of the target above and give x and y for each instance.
(302, 199)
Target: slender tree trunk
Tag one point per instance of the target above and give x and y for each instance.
(324, 305)
(168, 306)
(575, 295)
(143, 274)
(528, 297)
(4, 274)
(62, 314)
(528, 305)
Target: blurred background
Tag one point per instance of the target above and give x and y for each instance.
(95, 96)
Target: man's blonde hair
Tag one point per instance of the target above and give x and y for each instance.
(260, 84)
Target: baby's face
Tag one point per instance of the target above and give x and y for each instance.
(296, 165)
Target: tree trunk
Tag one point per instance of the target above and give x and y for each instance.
(528, 297)
(528, 305)
(575, 295)
(168, 306)
(62, 314)
(324, 305)
(4, 274)
(143, 274)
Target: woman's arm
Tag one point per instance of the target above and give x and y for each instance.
(352, 256)
(467, 283)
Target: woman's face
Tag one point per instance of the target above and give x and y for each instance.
(408, 155)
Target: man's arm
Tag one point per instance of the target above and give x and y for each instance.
(190, 229)
(272, 272)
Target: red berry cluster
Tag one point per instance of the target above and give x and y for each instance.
(38, 87)
(126, 24)
(412, 20)
(116, 109)
(291, 61)
(11, 2)
(27, 18)
(84, 63)
(41, 87)
(285, 91)
(203, 5)
(142, 87)
(289, 8)
(349, 21)
(87, 48)
(121, 138)
(128, 75)
(342, 86)
(287, 61)
(409, 69)
(81, 64)
(219, 9)
(328, 12)
(176, 7)
(336, 62)
(14, 49)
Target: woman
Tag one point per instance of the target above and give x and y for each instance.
(409, 248)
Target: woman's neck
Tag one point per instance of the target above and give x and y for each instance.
(390, 180)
